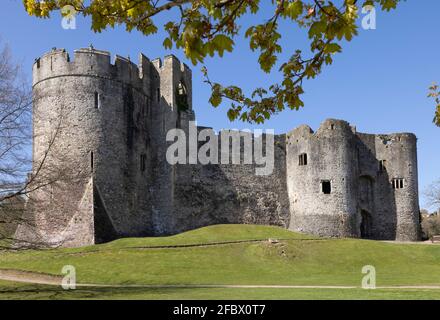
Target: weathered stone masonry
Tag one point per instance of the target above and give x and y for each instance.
(110, 122)
(354, 184)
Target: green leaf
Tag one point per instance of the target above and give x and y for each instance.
(294, 9)
(332, 48)
(223, 42)
(317, 28)
(167, 43)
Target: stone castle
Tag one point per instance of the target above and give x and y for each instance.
(100, 128)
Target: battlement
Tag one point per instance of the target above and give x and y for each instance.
(328, 128)
(170, 61)
(97, 63)
(333, 126)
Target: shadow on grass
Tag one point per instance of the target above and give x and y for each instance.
(43, 292)
(30, 292)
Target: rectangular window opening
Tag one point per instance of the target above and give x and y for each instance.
(326, 186)
(91, 161)
(158, 94)
(303, 159)
(398, 183)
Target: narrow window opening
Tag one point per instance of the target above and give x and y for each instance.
(97, 103)
(303, 159)
(158, 94)
(91, 161)
(382, 165)
(147, 104)
(143, 162)
(38, 63)
(332, 127)
(326, 186)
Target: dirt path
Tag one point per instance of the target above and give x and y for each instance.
(29, 277)
(47, 279)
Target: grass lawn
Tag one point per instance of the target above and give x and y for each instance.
(296, 260)
(17, 291)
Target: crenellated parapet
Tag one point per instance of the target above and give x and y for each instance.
(175, 80)
(90, 62)
(170, 60)
(328, 129)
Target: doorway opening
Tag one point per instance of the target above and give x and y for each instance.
(366, 225)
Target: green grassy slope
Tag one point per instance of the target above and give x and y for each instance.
(296, 260)
(217, 233)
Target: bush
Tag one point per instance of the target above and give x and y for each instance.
(11, 212)
(430, 226)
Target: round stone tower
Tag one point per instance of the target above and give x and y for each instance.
(342, 183)
(92, 132)
(398, 153)
(321, 176)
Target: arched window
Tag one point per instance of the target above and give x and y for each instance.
(181, 89)
(182, 97)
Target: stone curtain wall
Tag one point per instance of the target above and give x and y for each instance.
(111, 177)
(230, 193)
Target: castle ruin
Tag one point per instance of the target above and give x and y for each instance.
(106, 123)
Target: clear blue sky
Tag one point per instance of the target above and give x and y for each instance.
(379, 83)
